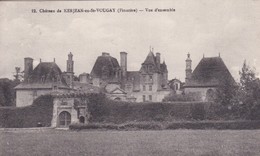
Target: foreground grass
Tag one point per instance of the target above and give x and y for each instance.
(130, 143)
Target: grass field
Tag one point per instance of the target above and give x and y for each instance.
(130, 143)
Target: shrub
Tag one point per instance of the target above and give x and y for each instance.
(19, 117)
(109, 111)
(183, 97)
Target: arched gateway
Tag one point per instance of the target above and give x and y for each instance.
(64, 119)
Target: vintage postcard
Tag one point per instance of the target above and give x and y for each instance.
(130, 77)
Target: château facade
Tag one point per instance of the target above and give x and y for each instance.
(150, 83)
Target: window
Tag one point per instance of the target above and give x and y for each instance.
(144, 89)
(151, 78)
(150, 87)
(150, 98)
(55, 87)
(150, 68)
(144, 78)
(176, 87)
(35, 93)
(42, 78)
(143, 98)
(64, 103)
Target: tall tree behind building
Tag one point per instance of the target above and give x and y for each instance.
(7, 92)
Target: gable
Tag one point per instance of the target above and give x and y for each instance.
(118, 91)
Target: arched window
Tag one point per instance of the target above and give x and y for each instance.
(64, 119)
(82, 119)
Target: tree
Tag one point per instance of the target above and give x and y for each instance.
(7, 92)
(226, 91)
(249, 90)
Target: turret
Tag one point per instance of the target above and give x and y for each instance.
(70, 63)
(28, 68)
(70, 71)
(188, 67)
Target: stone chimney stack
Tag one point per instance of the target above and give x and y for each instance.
(123, 63)
(188, 67)
(105, 54)
(28, 68)
(158, 59)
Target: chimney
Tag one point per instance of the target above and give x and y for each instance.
(28, 67)
(105, 54)
(158, 59)
(123, 63)
(188, 68)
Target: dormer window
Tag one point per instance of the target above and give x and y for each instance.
(42, 78)
(150, 68)
(59, 78)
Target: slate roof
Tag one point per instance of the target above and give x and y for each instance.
(151, 60)
(210, 72)
(109, 63)
(86, 88)
(44, 76)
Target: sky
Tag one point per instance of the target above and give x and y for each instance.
(202, 27)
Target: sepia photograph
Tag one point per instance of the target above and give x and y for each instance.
(130, 78)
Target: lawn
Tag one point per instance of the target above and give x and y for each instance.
(130, 143)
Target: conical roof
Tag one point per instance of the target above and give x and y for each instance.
(210, 71)
(150, 59)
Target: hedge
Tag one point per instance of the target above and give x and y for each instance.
(234, 125)
(20, 117)
(108, 111)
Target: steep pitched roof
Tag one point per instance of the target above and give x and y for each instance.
(163, 67)
(108, 63)
(44, 75)
(150, 59)
(210, 71)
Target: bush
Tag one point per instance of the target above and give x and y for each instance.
(19, 117)
(182, 97)
(109, 111)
